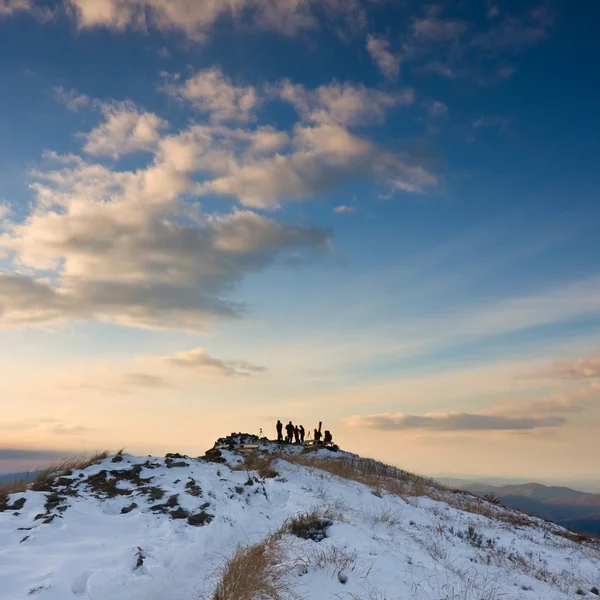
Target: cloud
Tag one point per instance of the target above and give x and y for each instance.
(71, 98)
(132, 246)
(200, 362)
(212, 93)
(387, 62)
(452, 422)
(343, 104)
(433, 28)
(436, 108)
(124, 130)
(47, 424)
(577, 369)
(195, 18)
(5, 210)
(62, 429)
(10, 8)
(515, 32)
(144, 380)
(344, 209)
(500, 122)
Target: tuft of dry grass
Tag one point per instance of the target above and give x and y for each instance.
(254, 572)
(46, 478)
(312, 525)
(259, 462)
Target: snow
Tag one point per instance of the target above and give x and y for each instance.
(383, 547)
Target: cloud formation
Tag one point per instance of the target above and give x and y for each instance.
(508, 414)
(200, 362)
(213, 94)
(577, 369)
(452, 422)
(48, 425)
(387, 62)
(72, 99)
(195, 18)
(132, 247)
(125, 130)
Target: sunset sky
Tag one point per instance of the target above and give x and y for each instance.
(379, 214)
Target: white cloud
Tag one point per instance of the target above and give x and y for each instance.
(200, 362)
(343, 104)
(195, 18)
(124, 130)
(344, 209)
(212, 93)
(387, 62)
(124, 254)
(71, 98)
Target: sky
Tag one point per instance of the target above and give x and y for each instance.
(380, 215)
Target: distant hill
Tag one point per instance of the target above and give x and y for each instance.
(579, 511)
(10, 477)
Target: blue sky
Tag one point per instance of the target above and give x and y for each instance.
(383, 216)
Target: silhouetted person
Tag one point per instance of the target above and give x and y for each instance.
(327, 439)
(289, 428)
(302, 432)
(317, 436)
(297, 434)
(279, 428)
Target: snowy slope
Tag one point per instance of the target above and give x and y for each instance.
(387, 547)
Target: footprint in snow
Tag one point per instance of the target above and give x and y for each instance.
(80, 584)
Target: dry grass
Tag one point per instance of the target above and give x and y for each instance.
(46, 477)
(371, 473)
(381, 477)
(308, 526)
(261, 463)
(254, 572)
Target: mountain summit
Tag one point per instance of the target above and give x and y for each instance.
(254, 519)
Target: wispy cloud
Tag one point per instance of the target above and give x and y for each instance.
(515, 32)
(452, 422)
(387, 62)
(198, 361)
(196, 19)
(344, 209)
(49, 425)
(576, 369)
(73, 100)
(214, 94)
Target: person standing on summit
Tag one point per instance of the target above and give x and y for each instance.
(302, 433)
(279, 428)
(289, 429)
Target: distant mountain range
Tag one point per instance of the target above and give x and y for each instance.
(578, 511)
(10, 477)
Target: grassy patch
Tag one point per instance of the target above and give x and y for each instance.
(261, 463)
(254, 572)
(308, 526)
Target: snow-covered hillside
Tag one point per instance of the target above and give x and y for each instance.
(148, 528)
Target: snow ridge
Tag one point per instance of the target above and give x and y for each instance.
(149, 528)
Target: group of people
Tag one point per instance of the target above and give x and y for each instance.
(296, 434)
